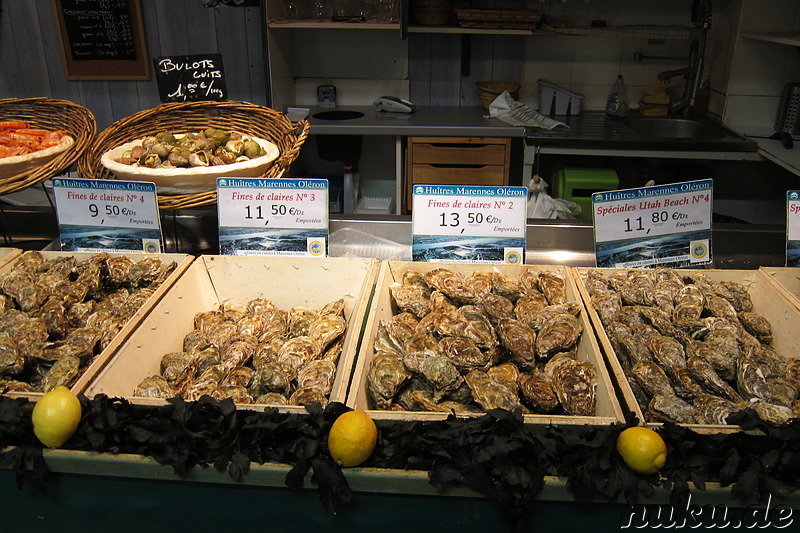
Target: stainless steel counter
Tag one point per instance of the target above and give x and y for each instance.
(425, 121)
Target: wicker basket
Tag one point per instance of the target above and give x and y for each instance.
(489, 90)
(49, 114)
(244, 117)
(431, 12)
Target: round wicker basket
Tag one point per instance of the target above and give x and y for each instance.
(48, 114)
(244, 117)
(489, 90)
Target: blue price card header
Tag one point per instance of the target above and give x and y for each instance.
(263, 183)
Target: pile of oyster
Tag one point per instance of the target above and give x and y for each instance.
(484, 341)
(58, 313)
(693, 349)
(209, 147)
(255, 353)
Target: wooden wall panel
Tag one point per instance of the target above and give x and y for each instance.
(32, 64)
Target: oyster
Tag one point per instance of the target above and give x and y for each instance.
(528, 282)
(298, 352)
(317, 374)
(776, 414)
(385, 343)
(402, 325)
(652, 378)
(238, 351)
(154, 387)
(736, 294)
(207, 357)
(254, 325)
(300, 319)
(334, 351)
(493, 393)
(386, 375)
(178, 367)
(29, 261)
(119, 269)
(608, 306)
(326, 329)
(451, 284)
(479, 328)
(503, 285)
(271, 378)
(63, 372)
(411, 299)
(237, 393)
(278, 325)
(497, 307)
(438, 371)
(720, 307)
(715, 410)
(558, 334)
(519, 339)
(146, 271)
(569, 308)
(756, 325)
(670, 408)
(308, 396)
(271, 398)
(507, 371)
(536, 389)
(464, 353)
(528, 307)
(479, 282)
(703, 371)
(240, 376)
(335, 308)
(195, 341)
(750, 380)
(553, 287)
(575, 383)
(261, 307)
(12, 362)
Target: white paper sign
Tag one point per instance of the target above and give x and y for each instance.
(793, 228)
(663, 225)
(107, 215)
(463, 223)
(260, 216)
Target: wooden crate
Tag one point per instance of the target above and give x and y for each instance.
(286, 281)
(8, 254)
(98, 363)
(608, 408)
(786, 281)
(782, 314)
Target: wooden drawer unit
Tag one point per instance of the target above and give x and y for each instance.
(456, 161)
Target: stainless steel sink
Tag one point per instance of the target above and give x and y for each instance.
(675, 128)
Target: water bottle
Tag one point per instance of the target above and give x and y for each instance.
(617, 102)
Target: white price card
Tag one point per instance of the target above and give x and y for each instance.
(470, 224)
(793, 228)
(107, 215)
(259, 216)
(666, 225)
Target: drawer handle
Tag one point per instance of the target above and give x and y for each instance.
(457, 145)
(455, 165)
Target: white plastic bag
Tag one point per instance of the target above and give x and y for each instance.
(542, 205)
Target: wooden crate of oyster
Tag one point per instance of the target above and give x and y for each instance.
(705, 382)
(213, 281)
(786, 281)
(607, 409)
(65, 325)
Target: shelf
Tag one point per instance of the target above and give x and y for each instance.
(791, 38)
(637, 32)
(326, 25)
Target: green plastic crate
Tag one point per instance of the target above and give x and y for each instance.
(578, 184)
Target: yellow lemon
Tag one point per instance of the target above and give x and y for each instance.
(643, 449)
(56, 416)
(352, 438)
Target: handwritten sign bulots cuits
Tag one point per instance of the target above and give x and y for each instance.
(190, 78)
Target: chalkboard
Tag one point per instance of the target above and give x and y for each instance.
(102, 39)
(190, 78)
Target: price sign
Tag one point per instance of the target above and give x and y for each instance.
(793, 228)
(273, 216)
(107, 215)
(668, 225)
(471, 224)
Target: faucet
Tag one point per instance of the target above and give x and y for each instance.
(701, 15)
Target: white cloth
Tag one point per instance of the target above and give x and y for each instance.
(542, 205)
(510, 111)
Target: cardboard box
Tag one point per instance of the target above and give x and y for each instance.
(100, 360)
(781, 313)
(214, 279)
(608, 409)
